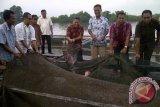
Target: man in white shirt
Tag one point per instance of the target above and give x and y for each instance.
(46, 26)
(25, 34)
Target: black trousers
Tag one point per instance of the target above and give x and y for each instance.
(48, 38)
(146, 51)
(80, 55)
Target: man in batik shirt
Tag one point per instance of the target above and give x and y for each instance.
(98, 29)
(74, 36)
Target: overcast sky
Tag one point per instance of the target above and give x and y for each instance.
(59, 7)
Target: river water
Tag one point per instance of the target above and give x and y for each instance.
(60, 29)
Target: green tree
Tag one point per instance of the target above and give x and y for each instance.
(63, 18)
(106, 14)
(156, 16)
(1, 18)
(84, 17)
(18, 13)
(110, 16)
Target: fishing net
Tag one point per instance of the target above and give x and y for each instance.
(114, 69)
(33, 81)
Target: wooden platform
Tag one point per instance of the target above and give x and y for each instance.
(56, 53)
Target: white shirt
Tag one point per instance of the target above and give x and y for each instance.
(98, 28)
(26, 33)
(45, 24)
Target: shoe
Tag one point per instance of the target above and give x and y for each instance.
(50, 52)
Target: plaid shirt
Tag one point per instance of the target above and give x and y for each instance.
(118, 33)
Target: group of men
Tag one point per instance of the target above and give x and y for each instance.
(120, 33)
(28, 35)
(25, 37)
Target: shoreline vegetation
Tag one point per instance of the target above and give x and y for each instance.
(84, 16)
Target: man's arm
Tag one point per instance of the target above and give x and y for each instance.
(68, 35)
(38, 22)
(8, 49)
(51, 30)
(137, 45)
(158, 32)
(158, 36)
(79, 37)
(111, 35)
(34, 46)
(81, 34)
(128, 35)
(105, 34)
(90, 31)
(127, 40)
(137, 41)
(51, 27)
(111, 47)
(106, 30)
(24, 44)
(3, 42)
(33, 39)
(19, 48)
(92, 35)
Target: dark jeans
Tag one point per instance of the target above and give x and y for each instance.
(145, 53)
(48, 38)
(80, 55)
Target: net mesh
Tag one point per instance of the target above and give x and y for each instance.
(33, 81)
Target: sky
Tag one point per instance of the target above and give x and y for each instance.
(61, 7)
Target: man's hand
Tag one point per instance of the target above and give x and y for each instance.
(137, 56)
(51, 35)
(103, 38)
(94, 38)
(124, 51)
(30, 51)
(2, 62)
(22, 53)
(111, 53)
(17, 55)
(72, 40)
(37, 52)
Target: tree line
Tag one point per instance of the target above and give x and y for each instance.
(84, 16)
(18, 14)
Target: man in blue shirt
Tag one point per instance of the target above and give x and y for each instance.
(8, 38)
